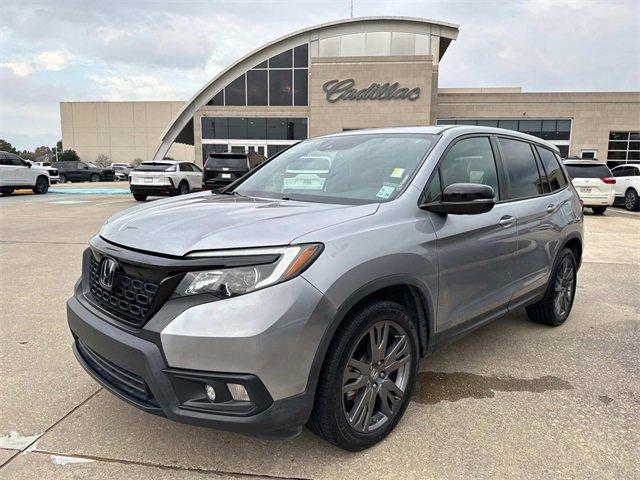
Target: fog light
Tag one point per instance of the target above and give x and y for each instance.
(238, 392)
(211, 392)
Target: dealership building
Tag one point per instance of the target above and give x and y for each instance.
(346, 75)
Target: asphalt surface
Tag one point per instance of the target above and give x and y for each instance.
(513, 399)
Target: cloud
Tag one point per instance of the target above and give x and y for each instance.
(53, 60)
(133, 87)
(19, 69)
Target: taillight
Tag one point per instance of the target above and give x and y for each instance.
(609, 180)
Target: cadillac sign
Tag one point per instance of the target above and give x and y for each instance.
(345, 90)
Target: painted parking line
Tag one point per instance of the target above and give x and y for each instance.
(91, 191)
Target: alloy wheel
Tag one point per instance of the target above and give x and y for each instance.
(376, 376)
(184, 189)
(630, 200)
(564, 288)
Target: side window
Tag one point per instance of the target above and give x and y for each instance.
(184, 167)
(470, 160)
(620, 172)
(81, 165)
(195, 168)
(552, 167)
(522, 171)
(635, 172)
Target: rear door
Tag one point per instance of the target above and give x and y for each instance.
(475, 252)
(622, 174)
(538, 212)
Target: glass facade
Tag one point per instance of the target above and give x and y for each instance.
(282, 80)
(624, 147)
(266, 135)
(557, 131)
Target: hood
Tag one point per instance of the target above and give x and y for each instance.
(205, 221)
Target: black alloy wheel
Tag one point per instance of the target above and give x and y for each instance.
(95, 177)
(42, 186)
(62, 178)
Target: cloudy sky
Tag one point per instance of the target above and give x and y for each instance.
(62, 50)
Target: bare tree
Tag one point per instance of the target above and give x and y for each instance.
(102, 160)
(136, 162)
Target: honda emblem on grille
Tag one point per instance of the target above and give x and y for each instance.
(108, 269)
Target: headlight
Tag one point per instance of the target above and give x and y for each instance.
(231, 282)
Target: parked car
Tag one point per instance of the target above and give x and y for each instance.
(53, 173)
(71, 171)
(259, 310)
(594, 183)
(121, 164)
(164, 177)
(222, 169)
(308, 173)
(627, 187)
(122, 173)
(17, 173)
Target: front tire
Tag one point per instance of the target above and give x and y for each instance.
(554, 308)
(63, 178)
(94, 177)
(139, 197)
(41, 187)
(599, 210)
(367, 376)
(631, 201)
(6, 190)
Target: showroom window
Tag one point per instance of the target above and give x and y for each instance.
(282, 80)
(624, 147)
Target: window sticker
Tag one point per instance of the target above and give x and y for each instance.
(397, 173)
(386, 191)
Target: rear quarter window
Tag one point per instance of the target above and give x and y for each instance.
(551, 165)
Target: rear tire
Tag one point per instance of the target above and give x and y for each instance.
(139, 197)
(183, 188)
(95, 177)
(554, 308)
(42, 186)
(599, 210)
(362, 393)
(631, 201)
(6, 191)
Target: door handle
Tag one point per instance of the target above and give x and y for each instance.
(506, 221)
(551, 208)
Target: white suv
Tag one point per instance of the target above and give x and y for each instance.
(164, 177)
(16, 172)
(628, 185)
(594, 182)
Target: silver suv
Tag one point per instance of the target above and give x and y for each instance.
(282, 302)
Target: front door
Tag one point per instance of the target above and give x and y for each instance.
(475, 252)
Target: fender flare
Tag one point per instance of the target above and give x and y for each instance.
(425, 321)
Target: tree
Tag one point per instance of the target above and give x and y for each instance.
(102, 160)
(7, 147)
(136, 162)
(68, 156)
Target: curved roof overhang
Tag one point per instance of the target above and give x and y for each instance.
(176, 131)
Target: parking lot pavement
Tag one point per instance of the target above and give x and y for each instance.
(513, 399)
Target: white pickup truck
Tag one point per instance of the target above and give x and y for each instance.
(16, 173)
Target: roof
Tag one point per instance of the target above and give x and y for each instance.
(188, 110)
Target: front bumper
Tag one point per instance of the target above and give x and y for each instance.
(138, 364)
(153, 190)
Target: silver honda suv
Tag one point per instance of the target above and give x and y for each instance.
(308, 291)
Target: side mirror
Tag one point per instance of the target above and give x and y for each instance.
(463, 199)
(29, 165)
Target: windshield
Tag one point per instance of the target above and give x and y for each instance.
(228, 161)
(588, 171)
(155, 167)
(359, 168)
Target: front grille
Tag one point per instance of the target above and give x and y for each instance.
(129, 300)
(121, 379)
